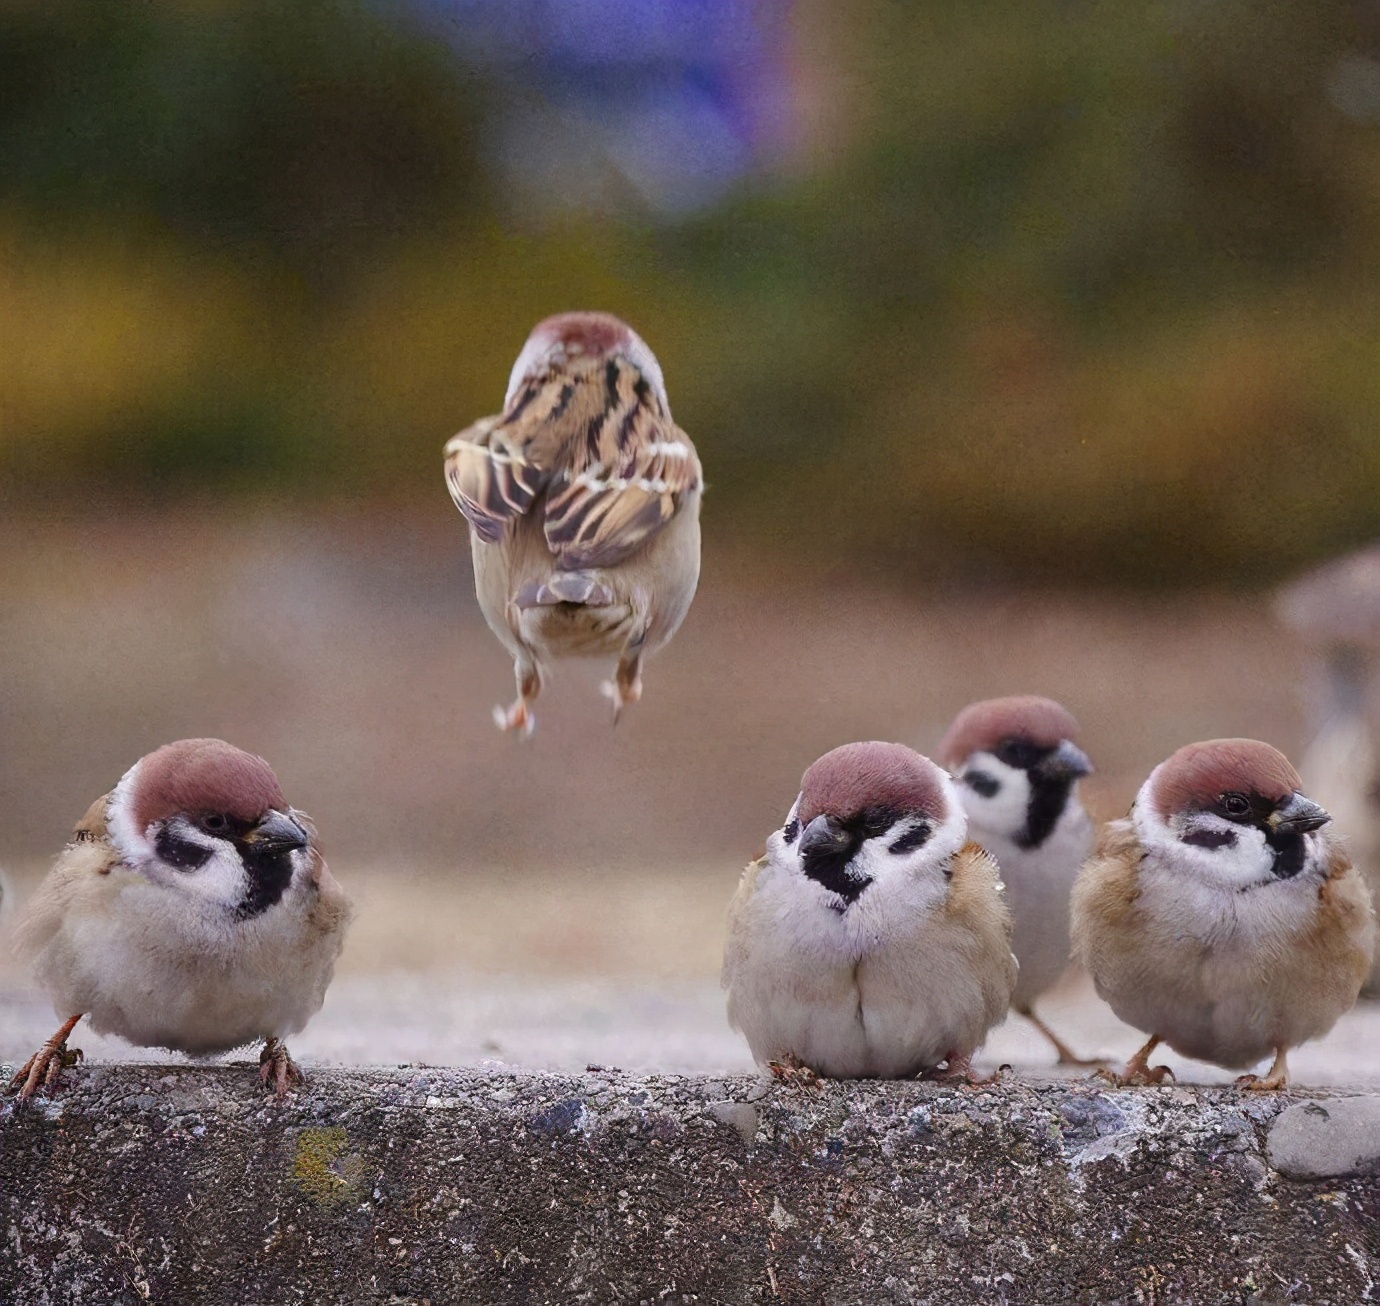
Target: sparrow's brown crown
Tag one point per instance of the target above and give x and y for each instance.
(856, 776)
(583, 332)
(980, 727)
(1198, 774)
(204, 775)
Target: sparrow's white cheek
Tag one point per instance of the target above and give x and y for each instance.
(1001, 810)
(220, 879)
(1212, 849)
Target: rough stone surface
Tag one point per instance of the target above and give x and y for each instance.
(1321, 1140)
(175, 1185)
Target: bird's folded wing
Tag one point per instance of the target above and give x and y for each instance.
(624, 481)
(491, 475)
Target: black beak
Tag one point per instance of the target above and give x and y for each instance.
(824, 835)
(1296, 815)
(1067, 762)
(276, 833)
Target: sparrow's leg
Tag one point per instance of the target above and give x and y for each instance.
(1277, 1078)
(626, 685)
(1138, 1068)
(46, 1065)
(790, 1069)
(278, 1068)
(1066, 1055)
(518, 715)
(958, 1069)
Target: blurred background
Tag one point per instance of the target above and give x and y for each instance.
(1028, 346)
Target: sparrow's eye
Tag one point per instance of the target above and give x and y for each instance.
(1235, 804)
(790, 830)
(214, 823)
(1020, 753)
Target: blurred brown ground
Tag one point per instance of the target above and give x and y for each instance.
(346, 647)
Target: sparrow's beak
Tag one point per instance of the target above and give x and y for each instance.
(1067, 762)
(276, 833)
(824, 834)
(1297, 815)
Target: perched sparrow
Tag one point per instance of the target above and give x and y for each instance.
(870, 939)
(583, 499)
(1221, 917)
(1018, 769)
(192, 910)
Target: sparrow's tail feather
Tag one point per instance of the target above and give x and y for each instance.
(565, 587)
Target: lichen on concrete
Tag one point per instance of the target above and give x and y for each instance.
(177, 1185)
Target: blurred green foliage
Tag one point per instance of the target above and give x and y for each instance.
(1065, 289)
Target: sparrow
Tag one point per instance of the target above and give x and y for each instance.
(871, 939)
(191, 910)
(1017, 770)
(1222, 917)
(583, 500)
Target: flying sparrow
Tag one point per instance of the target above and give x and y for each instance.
(583, 499)
(1222, 917)
(871, 939)
(191, 910)
(1017, 769)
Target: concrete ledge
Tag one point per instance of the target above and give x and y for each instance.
(182, 1185)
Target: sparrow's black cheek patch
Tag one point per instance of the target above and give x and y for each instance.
(911, 840)
(270, 873)
(1210, 839)
(982, 783)
(790, 831)
(173, 850)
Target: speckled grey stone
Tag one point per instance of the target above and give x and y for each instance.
(171, 1184)
(1321, 1140)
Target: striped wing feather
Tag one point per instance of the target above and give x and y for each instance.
(615, 466)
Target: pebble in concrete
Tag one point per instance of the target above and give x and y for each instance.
(1327, 1139)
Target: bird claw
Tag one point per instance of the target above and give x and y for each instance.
(517, 717)
(1134, 1076)
(277, 1067)
(793, 1072)
(43, 1070)
(958, 1070)
(1262, 1083)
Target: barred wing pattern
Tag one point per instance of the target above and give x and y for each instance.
(616, 468)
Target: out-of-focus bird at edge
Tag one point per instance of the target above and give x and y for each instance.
(871, 939)
(1222, 917)
(583, 499)
(1335, 611)
(1017, 769)
(191, 910)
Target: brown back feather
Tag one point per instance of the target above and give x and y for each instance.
(595, 436)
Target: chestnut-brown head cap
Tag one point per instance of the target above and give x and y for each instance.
(849, 779)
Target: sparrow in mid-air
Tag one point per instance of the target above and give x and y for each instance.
(1017, 770)
(583, 499)
(1222, 917)
(871, 939)
(191, 910)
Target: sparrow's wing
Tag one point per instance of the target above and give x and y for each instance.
(624, 477)
(489, 474)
